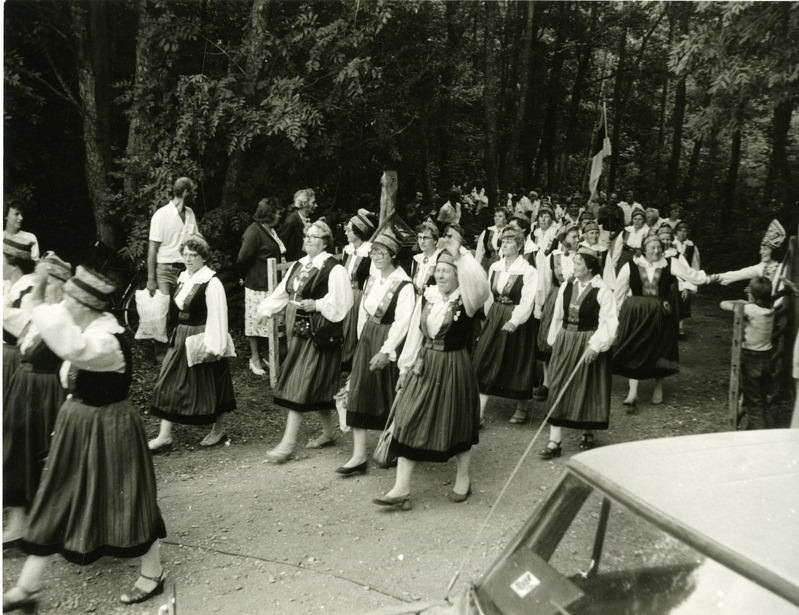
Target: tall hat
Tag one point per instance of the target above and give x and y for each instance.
(12, 247)
(364, 221)
(774, 236)
(57, 268)
(388, 239)
(90, 288)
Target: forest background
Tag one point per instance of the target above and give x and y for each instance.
(107, 102)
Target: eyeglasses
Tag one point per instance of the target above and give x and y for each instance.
(307, 236)
(374, 253)
(423, 237)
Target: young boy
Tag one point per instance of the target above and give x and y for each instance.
(756, 352)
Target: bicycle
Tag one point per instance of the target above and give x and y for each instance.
(127, 280)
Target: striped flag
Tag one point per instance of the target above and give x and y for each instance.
(601, 149)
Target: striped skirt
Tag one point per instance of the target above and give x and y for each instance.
(350, 324)
(586, 400)
(543, 349)
(194, 395)
(11, 360)
(371, 392)
(437, 412)
(646, 340)
(31, 404)
(97, 494)
(505, 362)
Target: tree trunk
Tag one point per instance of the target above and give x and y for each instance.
(693, 164)
(90, 24)
(523, 78)
(779, 179)
(728, 201)
(678, 118)
(619, 106)
(491, 103)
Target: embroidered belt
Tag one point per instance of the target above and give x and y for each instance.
(377, 320)
(572, 327)
(434, 344)
(505, 300)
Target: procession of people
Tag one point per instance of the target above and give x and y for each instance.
(547, 303)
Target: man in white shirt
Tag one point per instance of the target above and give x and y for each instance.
(628, 207)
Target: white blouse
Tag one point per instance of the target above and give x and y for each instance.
(404, 309)
(679, 268)
(15, 319)
(216, 325)
(424, 270)
(602, 339)
(546, 274)
(522, 312)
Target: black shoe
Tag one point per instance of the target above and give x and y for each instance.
(541, 394)
(550, 452)
(587, 443)
(456, 497)
(359, 469)
(137, 595)
(403, 502)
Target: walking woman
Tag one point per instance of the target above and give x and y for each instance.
(437, 409)
(383, 320)
(359, 230)
(504, 359)
(317, 296)
(31, 402)
(582, 330)
(488, 244)
(648, 302)
(259, 243)
(629, 242)
(97, 494)
(18, 265)
(200, 393)
(423, 265)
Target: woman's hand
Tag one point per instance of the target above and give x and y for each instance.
(590, 356)
(379, 361)
(509, 327)
(210, 357)
(308, 305)
(684, 294)
(401, 382)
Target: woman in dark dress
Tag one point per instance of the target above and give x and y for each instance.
(189, 391)
(97, 494)
(504, 359)
(437, 409)
(582, 330)
(259, 243)
(316, 294)
(488, 244)
(383, 320)
(31, 402)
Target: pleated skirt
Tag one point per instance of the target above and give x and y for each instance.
(308, 377)
(350, 324)
(586, 400)
(543, 349)
(11, 360)
(31, 404)
(97, 494)
(371, 393)
(646, 340)
(685, 307)
(505, 362)
(437, 412)
(194, 395)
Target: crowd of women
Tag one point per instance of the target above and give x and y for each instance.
(550, 305)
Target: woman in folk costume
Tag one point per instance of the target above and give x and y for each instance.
(688, 250)
(317, 295)
(31, 402)
(629, 242)
(383, 319)
(424, 264)
(437, 409)
(487, 251)
(582, 331)
(591, 240)
(554, 270)
(520, 222)
(97, 494)
(545, 234)
(359, 230)
(647, 297)
(504, 359)
(189, 392)
(18, 265)
(769, 265)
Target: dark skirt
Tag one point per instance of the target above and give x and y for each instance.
(543, 349)
(586, 400)
(97, 495)
(31, 404)
(350, 324)
(646, 340)
(11, 360)
(194, 395)
(308, 377)
(505, 362)
(685, 307)
(437, 413)
(371, 393)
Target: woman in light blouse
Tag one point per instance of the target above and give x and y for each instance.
(424, 264)
(582, 330)
(628, 243)
(383, 320)
(487, 251)
(316, 294)
(200, 394)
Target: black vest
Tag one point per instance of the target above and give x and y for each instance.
(588, 313)
(664, 283)
(195, 308)
(103, 388)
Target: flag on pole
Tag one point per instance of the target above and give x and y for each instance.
(600, 150)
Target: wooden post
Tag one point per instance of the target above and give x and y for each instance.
(735, 363)
(388, 195)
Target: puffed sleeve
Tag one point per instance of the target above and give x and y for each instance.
(544, 284)
(216, 329)
(276, 301)
(15, 319)
(602, 339)
(413, 342)
(95, 349)
(402, 320)
(472, 282)
(480, 248)
(622, 288)
(522, 312)
(336, 304)
(681, 268)
(747, 273)
(557, 317)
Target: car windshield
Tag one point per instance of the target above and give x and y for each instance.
(585, 553)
